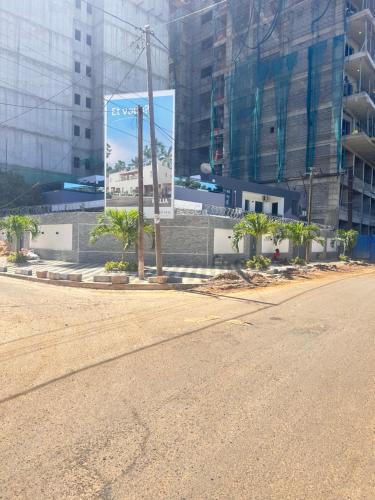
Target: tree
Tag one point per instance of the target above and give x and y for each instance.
(348, 239)
(253, 224)
(302, 235)
(161, 151)
(167, 157)
(122, 225)
(15, 226)
(278, 232)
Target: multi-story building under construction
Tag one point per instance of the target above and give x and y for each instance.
(278, 90)
(59, 58)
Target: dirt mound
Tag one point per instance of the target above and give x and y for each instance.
(326, 267)
(232, 276)
(257, 279)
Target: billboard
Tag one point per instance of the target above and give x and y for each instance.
(121, 143)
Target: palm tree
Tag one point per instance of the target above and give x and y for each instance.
(303, 235)
(122, 225)
(253, 224)
(15, 226)
(348, 239)
(278, 232)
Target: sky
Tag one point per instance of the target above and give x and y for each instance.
(121, 130)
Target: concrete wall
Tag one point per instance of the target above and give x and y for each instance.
(38, 56)
(186, 240)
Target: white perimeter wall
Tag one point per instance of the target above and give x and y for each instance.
(54, 237)
(269, 247)
(223, 242)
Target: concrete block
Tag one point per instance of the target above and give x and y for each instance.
(120, 279)
(75, 277)
(53, 276)
(102, 279)
(3, 269)
(158, 279)
(63, 276)
(41, 274)
(24, 272)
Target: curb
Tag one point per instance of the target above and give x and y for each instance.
(105, 286)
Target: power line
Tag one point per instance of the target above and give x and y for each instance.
(36, 38)
(17, 63)
(126, 75)
(196, 12)
(55, 95)
(138, 28)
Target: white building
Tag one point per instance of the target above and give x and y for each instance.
(59, 58)
(125, 183)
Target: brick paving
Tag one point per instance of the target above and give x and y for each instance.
(178, 274)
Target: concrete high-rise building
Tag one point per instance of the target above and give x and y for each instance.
(58, 60)
(272, 90)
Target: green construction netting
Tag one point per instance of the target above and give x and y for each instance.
(246, 90)
(283, 68)
(33, 175)
(338, 56)
(315, 58)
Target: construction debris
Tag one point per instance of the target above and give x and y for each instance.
(232, 280)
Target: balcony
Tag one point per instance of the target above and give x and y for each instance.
(361, 143)
(353, 7)
(360, 48)
(360, 104)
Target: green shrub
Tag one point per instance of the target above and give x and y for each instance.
(133, 267)
(113, 266)
(344, 258)
(17, 258)
(259, 262)
(298, 261)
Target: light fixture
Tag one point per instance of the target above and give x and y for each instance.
(359, 32)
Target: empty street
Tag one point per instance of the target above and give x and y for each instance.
(262, 394)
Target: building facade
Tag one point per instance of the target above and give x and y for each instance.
(277, 91)
(59, 59)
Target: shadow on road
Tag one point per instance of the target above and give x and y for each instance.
(161, 342)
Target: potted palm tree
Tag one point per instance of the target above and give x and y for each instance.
(303, 235)
(256, 225)
(123, 226)
(348, 239)
(15, 227)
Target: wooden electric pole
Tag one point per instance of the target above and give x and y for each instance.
(311, 186)
(158, 256)
(309, 212)
(141, 237)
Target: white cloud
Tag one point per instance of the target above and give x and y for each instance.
(119, 152)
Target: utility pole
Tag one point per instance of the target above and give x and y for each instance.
(6, 156)
(350, 196)
(311, 186)
(158, 256)
(41, 160)
(141, 236)
(309, 212)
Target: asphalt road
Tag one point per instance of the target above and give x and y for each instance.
(263, 394)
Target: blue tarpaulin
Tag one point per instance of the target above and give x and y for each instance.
(365, 248)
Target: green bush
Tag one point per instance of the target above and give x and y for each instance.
(259, 262)
(17, 258)
(113, 266)
(344, 258)
(133, 267)
(298, 261)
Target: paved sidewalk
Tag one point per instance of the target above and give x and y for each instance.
(189, 275)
